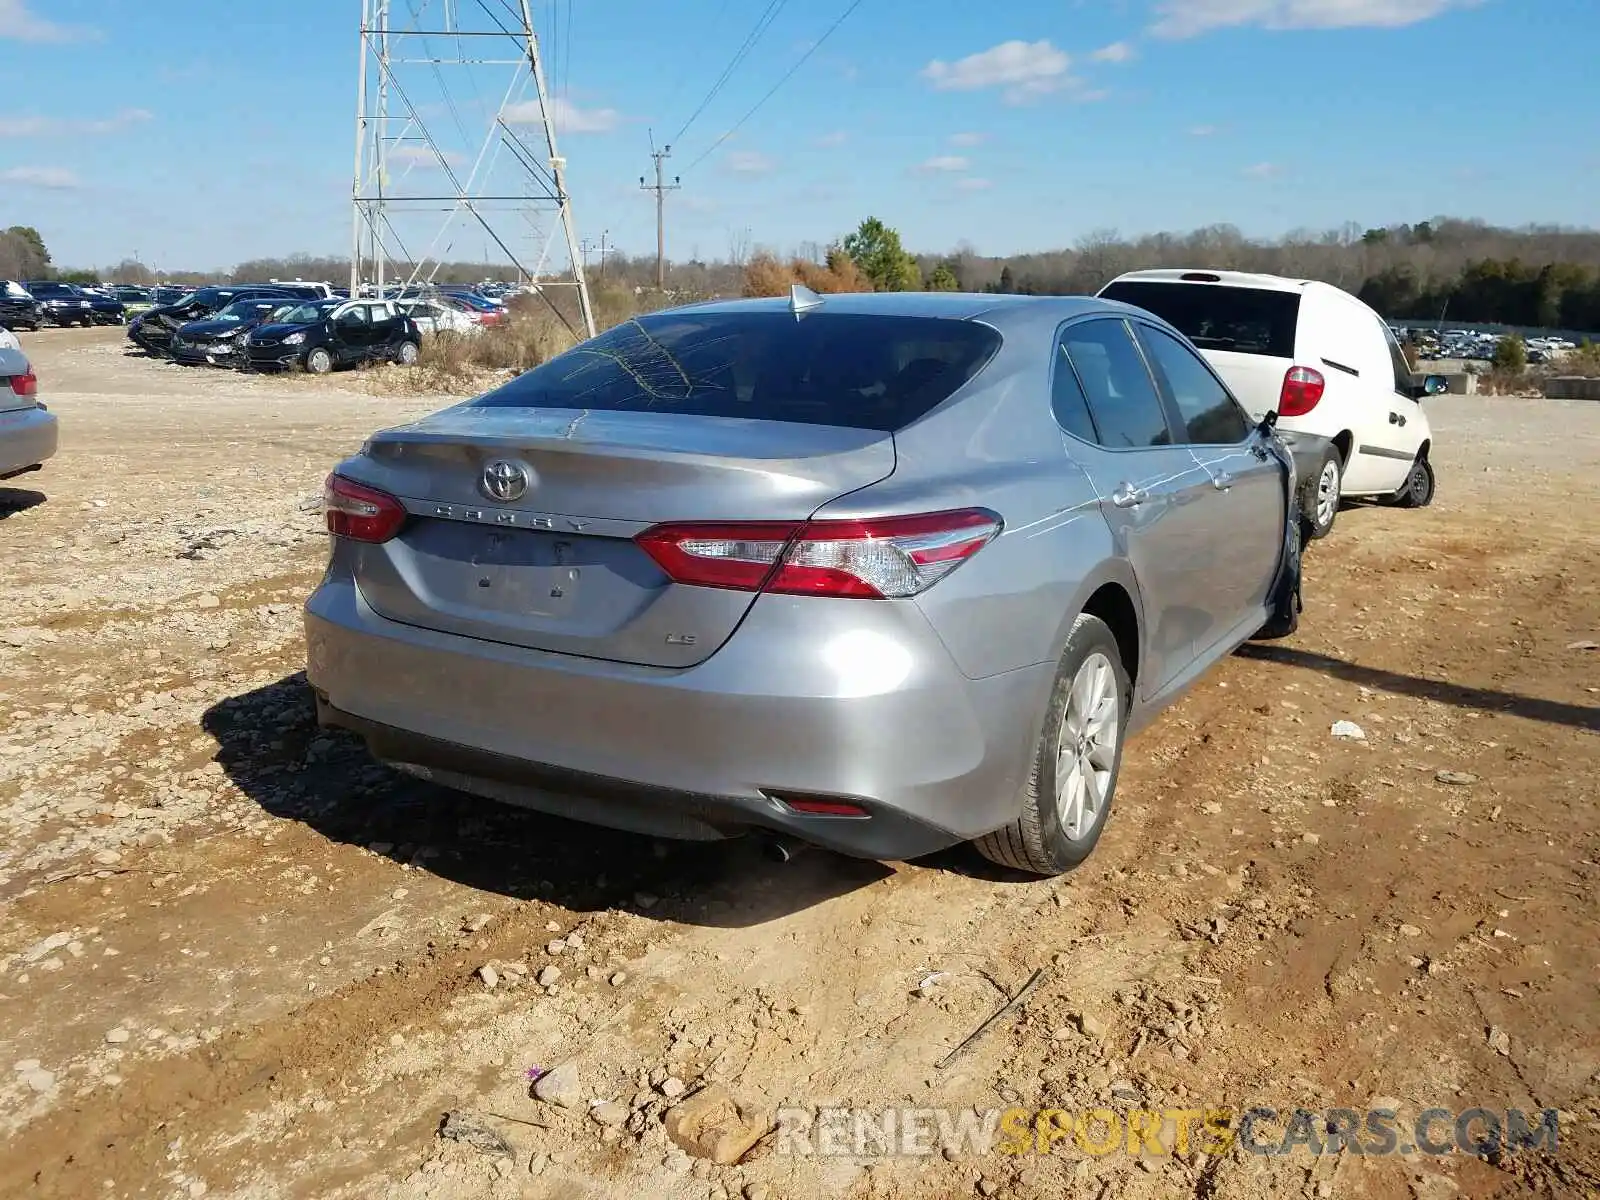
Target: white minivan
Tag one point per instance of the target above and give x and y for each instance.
(1327, 363)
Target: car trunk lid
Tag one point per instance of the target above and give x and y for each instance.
(554, 567)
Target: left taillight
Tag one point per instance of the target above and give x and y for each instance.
(360, 513)
(26, 384)
(878, 558)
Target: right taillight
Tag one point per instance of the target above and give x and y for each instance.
(26, 384)
(877, 558)
(360, 513)
(1302, 388)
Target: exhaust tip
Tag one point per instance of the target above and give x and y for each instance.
(779, 850)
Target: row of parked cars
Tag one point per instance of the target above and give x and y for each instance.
(310, 326)
(880, 572)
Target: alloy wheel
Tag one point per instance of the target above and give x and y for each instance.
(1086, 747)
(1327, 494)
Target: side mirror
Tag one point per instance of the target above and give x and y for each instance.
(1435, 385)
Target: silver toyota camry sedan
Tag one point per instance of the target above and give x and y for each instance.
(882, 573)
(27, 428)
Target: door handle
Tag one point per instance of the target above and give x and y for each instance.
(1222, 481)
(1128, 496)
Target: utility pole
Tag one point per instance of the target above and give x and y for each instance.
(588, 248)
(661, 187)
(604, 234)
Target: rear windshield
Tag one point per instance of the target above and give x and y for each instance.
(1218, 317)
(862, 371)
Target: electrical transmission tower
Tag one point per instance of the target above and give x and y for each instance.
(445, 92)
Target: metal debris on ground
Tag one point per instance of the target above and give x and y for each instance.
(1009, 1006)
(470, 1130)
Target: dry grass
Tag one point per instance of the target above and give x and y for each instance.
(765, 275)
(535, 330)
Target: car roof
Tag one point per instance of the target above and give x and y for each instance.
(1248, 279)
(956, 306)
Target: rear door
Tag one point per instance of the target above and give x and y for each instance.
(352, 333)
(1155, 495)
(1397, 430)
(1246, 540)
(526, 501)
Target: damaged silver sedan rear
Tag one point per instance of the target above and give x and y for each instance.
(883, 573)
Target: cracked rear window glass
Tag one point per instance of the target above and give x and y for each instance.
(857, 370)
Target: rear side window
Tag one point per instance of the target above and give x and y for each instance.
(1122, 396)
(1067, 401)
(1219, 317)
(1209, 413)
(856, 370)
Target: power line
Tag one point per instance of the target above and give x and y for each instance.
(815, 46)
(763, 23)
(688, 67)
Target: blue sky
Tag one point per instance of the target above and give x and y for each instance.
(219, 132)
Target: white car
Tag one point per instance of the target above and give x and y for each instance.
(433, 317)
(1325, 361)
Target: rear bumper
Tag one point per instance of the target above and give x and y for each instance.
(878, 716)
(27, 438)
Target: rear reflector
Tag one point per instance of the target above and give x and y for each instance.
(1302, 388)
(360, 513)
(874, 559)
(819, 807)
(26, 384)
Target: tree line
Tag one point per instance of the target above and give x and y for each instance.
(1444, 270)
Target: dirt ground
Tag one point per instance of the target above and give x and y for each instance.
(238, 958)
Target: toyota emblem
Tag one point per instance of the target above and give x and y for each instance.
(503, 480)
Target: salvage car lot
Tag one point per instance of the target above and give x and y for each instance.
(236, 953)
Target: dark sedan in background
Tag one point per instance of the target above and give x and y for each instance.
(326, 334)
(219, 340)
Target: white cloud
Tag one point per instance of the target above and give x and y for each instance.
(569, 117)
(748, 162)
(943, 164)
(1263, 170)
(974, 184)
(55, 178)
(1023, 70)
(837, 138)
(968, 139)
(18, 21)
(1189, 18)
(1116, 52)
(1203, 131)
(36, 126)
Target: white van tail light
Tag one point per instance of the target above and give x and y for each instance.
(1302, 388)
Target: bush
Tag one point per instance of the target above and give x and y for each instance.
(1511, 354)
(764, 275)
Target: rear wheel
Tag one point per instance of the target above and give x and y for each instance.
(1320, 507)
(319, 361)
(1074, 775)
(1418, 491)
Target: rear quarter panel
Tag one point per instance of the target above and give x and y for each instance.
(995, 445)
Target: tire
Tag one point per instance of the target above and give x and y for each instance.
(406, 354)
(1319, 507)
(318, 361)
(1418, 491)
(1091, 675)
